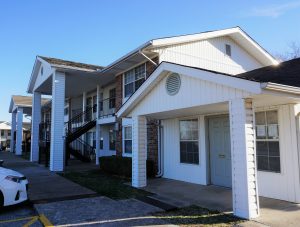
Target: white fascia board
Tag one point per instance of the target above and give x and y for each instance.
(33, 76)
(213, 34)
(68, 68)
(281, 88)
(214, 77)
(193, 37)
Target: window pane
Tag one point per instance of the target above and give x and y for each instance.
(140, 72)
(128, 89)
(262, 163)
(138, 83)
(273, 132)
(273, 148)
(272, 117)
(128, 146)
(260, 118)
(127, 133)
(129, 77)
(262, 148)
(189, 152)
(274, 164)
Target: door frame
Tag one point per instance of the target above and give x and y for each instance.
(207, 141)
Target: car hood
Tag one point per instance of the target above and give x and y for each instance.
(5, 172)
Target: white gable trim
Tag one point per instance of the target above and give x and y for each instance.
(35, 73)
(165, 67)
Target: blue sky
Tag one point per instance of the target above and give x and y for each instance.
(99, 31)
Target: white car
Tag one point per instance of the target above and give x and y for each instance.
(13, 187)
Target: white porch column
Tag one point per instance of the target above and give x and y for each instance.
(97, 129)
(83, 104)
(57, 143)
(139, 143)
(13, 129)
(35, 122)
(19, 136)
(243, 157)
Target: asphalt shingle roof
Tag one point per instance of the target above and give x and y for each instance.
(286, 73)
(60, 62)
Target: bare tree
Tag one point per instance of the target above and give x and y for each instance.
(292, 52)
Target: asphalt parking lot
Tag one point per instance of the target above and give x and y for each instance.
(20, 215)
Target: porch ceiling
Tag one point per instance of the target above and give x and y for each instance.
(77, 82)
(217, 108)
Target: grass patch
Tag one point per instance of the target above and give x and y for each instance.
(197, 216)
(105, 184)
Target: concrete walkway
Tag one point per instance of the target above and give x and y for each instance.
(180, 194)
(43, 184)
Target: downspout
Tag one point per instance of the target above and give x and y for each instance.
(160, 149)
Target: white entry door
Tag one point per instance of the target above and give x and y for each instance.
(220, 154)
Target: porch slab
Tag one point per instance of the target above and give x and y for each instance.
(180, 194)
(43, 184)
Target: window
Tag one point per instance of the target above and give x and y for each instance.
(128, 140)
(94, 104)
(228, 50)
(112, 98)
(133, 79)
(189, 145)
(112, 139)
(94, 139)
(9, 133)
(2, 133)
(267, 141)
(101, 143)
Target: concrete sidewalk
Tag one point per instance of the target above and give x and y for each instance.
(44, 185)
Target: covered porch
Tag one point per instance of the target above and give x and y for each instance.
(182, 194)
(209, 135)
(68, 127)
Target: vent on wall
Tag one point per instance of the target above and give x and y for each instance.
(173, 84)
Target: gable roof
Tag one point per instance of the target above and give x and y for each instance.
(236, 33)
(23, 101)
(63, 63)
(286, 73)
(165, 68)
(284, 77)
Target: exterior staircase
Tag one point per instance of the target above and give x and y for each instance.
(75, 128)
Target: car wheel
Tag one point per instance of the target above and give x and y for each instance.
(1, 199)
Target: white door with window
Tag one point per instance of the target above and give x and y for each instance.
(220, 151)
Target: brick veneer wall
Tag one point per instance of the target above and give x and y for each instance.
(152, 124)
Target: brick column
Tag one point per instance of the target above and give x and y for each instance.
(13, 129)
(139, 151)
(19, 136)
(35, 122)
(57, 143)
(243, 153)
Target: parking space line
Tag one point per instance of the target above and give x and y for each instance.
(18, 219)
(31, 221)
(45, 221)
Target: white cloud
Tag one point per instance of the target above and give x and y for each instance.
(273, 11)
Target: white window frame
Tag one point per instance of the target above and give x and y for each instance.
(123, 79)
(123, 140)
(198, 139)
(269, 140)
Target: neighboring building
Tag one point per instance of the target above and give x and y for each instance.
(5, 133)
(185, 102)
(20, 130)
